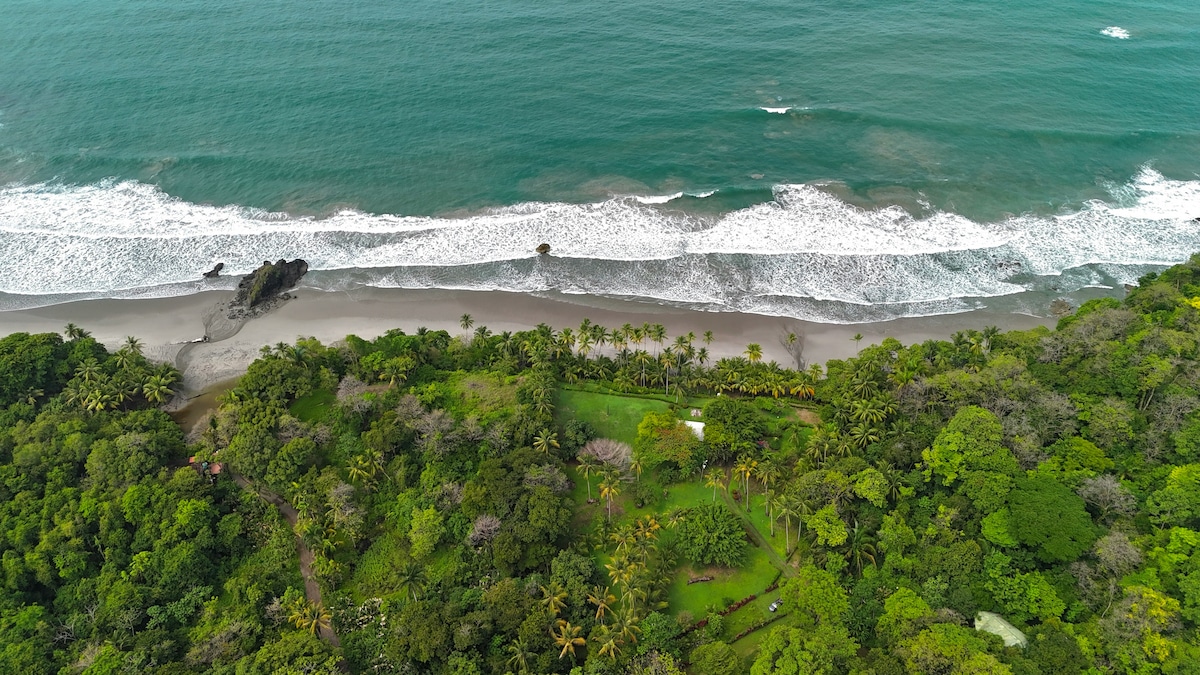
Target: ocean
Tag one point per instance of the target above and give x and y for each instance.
(837, 162)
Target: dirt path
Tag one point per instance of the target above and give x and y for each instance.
(312, 590)
(758, 539)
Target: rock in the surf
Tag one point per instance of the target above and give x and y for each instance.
(214, 272)
(269, 282)
(543, 248)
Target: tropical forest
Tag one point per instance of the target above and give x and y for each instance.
(597, 500)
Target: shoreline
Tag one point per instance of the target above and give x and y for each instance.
(167, 325)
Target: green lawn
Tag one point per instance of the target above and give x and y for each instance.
(758, 517)
(611, 415)
(315, 407)
(485, 394)
(747, 646)
(749, 615)
(729, 586)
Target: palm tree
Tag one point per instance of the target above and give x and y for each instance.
(609, 489)
(754, 352)
(588, 464)
(544, 441)
(99, 400)
(482, 333)
(707, 338)
(568, 638)
(857, 339)
(677, 516)
(361, 469)
(745, 468)
(133, 344)
(168, 374)
(609, 641)
(621, 569)
(122, 389)
(74, 332)
(642, 358)
(647, 528)
(768, 473)
(624, 537)
(784, 507)
(156, 390)
(466, 321)
(626, 627)
(123, 358)
(670, 359)
(657, 334)
(584, 343)
(715, 478)
(554, 597)
(520, 656)
(410, 578)
(863, 434)
(88, 371)
(310, 616)
(636, 465)
(859, 548)
(603, 599)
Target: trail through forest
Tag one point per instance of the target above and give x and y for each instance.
(312, 590)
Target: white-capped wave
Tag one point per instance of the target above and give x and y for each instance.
(805, 249)
(658, 199)
(1116, 32)
(702, 195)
(776, 111)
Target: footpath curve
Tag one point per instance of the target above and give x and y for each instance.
(312, 589)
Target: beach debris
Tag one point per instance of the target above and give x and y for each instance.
(543, 248)
(214, 272)
(261, 289)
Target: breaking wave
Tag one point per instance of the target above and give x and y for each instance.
(806, 253)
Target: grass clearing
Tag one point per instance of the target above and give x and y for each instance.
(612, 416)
(315, 407)
(754, 612)
(485, 393)
(728, 586)
(748, 646)
(615, 416)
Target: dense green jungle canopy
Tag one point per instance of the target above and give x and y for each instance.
(533, 503)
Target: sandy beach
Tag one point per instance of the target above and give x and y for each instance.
(167, 325)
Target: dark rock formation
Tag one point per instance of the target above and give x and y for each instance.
(269, 282)
(216, 271)
(1060, 308)
(543, 249)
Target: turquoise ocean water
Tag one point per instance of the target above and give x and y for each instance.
(838, 161)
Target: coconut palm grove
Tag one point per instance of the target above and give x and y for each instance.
(609, 499)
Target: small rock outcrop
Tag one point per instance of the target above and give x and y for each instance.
(214, 272)
(268, 283)
(543, 249)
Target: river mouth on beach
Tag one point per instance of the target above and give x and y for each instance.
(198, 407)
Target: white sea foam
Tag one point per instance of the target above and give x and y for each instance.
(658, 199)
(776, 111)
(805, 253)
(702, 195)
(1116, 32)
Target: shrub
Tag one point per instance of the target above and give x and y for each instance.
(712, 534)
